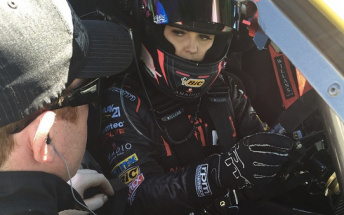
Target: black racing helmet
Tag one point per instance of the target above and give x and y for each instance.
(175, 76)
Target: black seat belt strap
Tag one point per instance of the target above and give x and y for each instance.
(224, 127)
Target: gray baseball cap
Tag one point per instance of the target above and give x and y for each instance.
(44, 46)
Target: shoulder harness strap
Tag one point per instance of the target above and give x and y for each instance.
(218, 108)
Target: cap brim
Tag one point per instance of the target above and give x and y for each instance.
(110, 49)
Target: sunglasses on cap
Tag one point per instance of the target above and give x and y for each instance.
(86, 94)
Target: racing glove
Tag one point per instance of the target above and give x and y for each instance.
(254, 160)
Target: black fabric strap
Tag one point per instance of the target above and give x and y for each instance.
(224, 128)
(117, 203)
(299, 111)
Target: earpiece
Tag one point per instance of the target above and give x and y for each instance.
(48, 141)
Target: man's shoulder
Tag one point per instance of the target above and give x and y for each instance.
(20, 191)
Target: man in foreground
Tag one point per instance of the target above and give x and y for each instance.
(50, 65)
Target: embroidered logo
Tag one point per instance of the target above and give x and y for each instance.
(111, 111)
(133, 186)
(130, 174)
(118, 151)
(284, 78)
(113, 126)
(125, 164)
(201, 181)
(192, 82)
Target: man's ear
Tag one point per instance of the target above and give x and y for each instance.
(42, 151)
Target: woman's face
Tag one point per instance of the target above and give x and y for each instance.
(188, 44)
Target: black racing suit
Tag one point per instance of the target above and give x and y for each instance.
(161, 174)
(30, 192)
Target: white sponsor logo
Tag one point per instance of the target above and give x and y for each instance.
(111, 109)
(201, 181)
(186, 94)
(112, 126)
(126, 94)
(118, 151)
(160, 19)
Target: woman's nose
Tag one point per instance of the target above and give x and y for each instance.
(192, 46)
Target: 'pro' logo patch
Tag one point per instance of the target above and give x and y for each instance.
(192, 82)
(130, 174)
(125, 164)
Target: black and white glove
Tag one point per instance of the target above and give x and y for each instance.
(254, 160)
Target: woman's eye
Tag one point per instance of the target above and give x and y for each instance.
(204, 37)
(178, 33)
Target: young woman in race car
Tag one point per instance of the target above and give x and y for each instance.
(177, 130)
